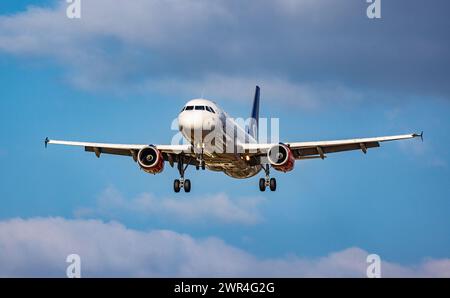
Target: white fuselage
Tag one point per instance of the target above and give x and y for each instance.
(212, 132)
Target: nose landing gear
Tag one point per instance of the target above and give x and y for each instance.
(201, 161)
(200, 164)
(270, 182)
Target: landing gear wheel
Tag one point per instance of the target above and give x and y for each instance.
(176, 185)
(273, 184)
(262, 184)
(187, 185)
(203, 165)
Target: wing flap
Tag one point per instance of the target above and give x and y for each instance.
(106, 150)
(305, 150)
(96, 145)
(318, 150)
(121, 149)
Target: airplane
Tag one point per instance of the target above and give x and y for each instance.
(201, 118)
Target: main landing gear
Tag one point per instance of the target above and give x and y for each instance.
(270, 182)
(178, 184)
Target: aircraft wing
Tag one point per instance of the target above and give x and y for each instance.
(319, 149)
(121, 149)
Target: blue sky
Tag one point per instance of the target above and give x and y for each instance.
(101, 79)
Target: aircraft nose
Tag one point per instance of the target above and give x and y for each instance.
(190, 121)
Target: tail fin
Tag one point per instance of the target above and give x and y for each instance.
(254, 120)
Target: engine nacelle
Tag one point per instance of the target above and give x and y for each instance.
(150, 160)
(281, 158)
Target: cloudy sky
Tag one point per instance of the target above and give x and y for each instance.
(122, 72)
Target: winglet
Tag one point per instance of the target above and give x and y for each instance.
(46, 142)
(419, 135)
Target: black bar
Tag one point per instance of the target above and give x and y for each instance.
(223, 287)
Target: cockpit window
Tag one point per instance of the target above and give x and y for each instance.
(199, 108)
(184, 108)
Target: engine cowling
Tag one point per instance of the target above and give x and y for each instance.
(281, 158)
(150, 160)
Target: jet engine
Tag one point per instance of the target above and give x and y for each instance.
(150, 160)
(281, 158)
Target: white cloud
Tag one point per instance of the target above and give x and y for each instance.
(111, 42)
(39, 246)
(302, 50)
(210, 208)
(100, 51)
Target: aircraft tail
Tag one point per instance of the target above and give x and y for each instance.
(254, 119)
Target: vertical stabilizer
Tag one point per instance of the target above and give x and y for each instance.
(254, 118)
